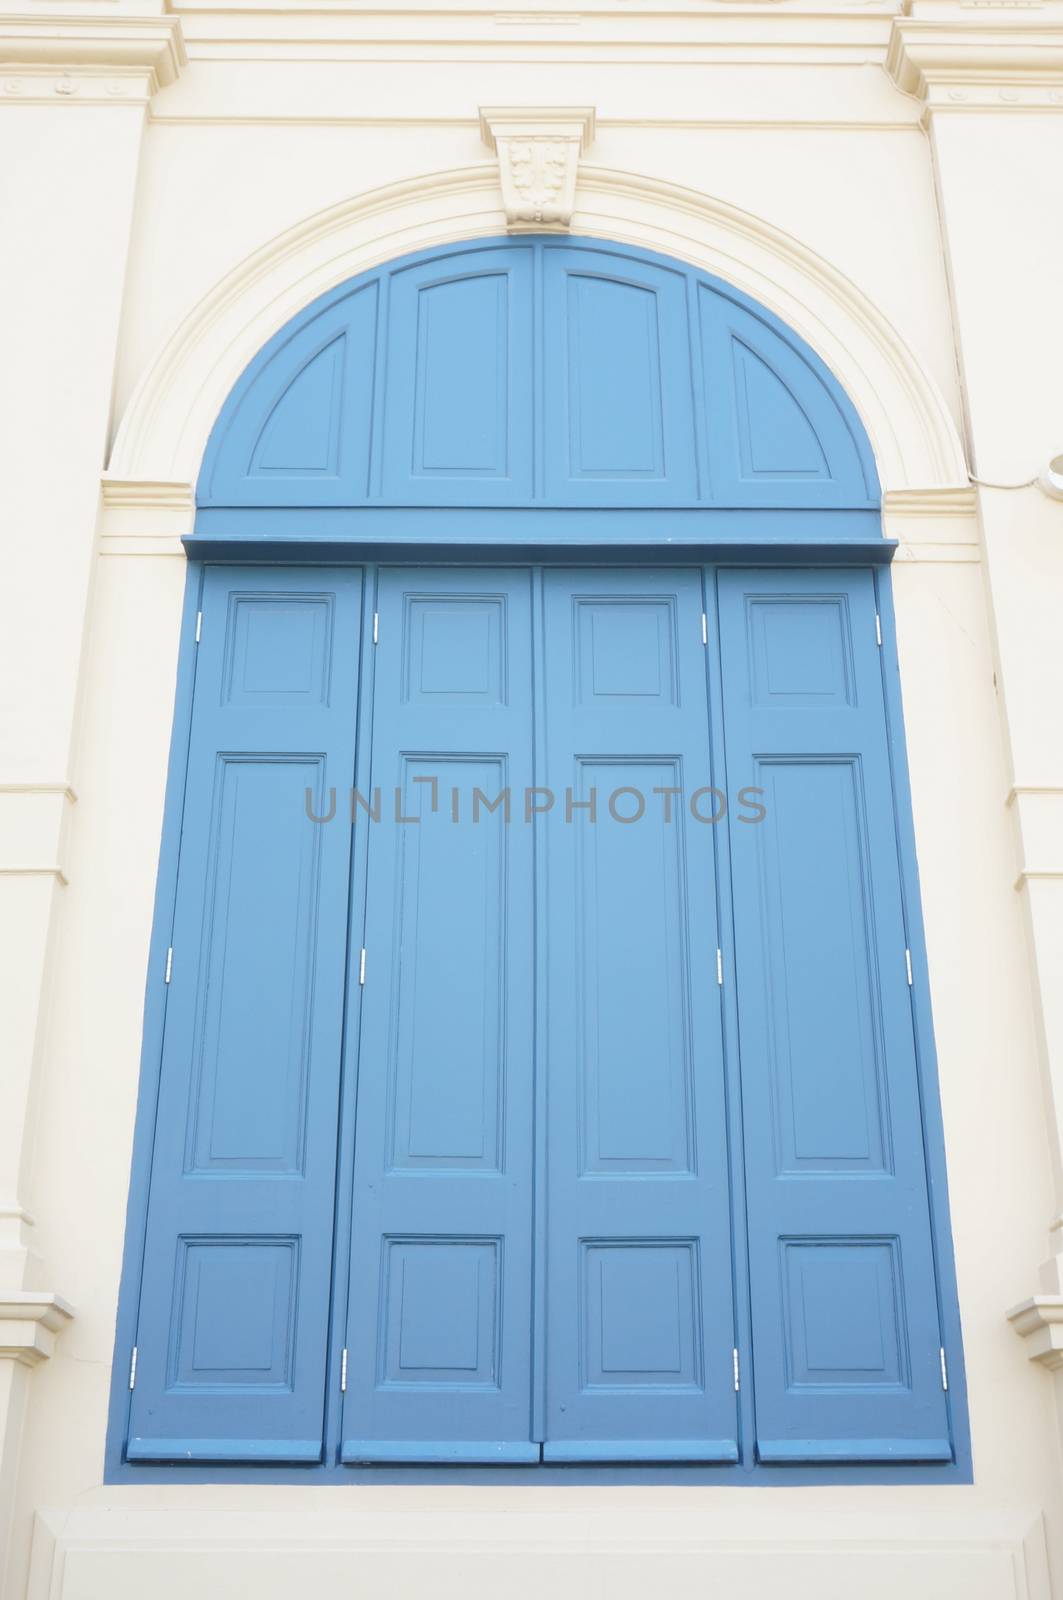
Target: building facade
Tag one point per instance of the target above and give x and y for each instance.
(531, 896)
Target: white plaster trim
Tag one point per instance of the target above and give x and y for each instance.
(538, 149)
(167, 421)
(484, 33)
(1016, 790)
(946, 501)
(926, 553)
(29, 1322)
(140, 492)
(29, 870)
(145, 516)
(1039, 1321)
(60, 787)
(126, 49)
(433, 1544)
(978, 61)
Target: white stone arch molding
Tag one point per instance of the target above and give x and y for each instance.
(163, 433)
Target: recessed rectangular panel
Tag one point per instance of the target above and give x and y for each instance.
(447, 1042)
(640, 1314)
(278, 650)
(462, 377)
(821, 967)
(454, 650)
(843, 1305)
(633, 971)
(234, 1313)
(801, 651)
(440, 1312)
(614, 376)
(625, 650)
(254, 1028)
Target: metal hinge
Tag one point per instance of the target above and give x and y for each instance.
(343, 1371)
(878, 628)
(361, 966)
(199, 625)
(133, 1369)
(376, 627)
(704, 628)
(734, 1358)
(944, 1369)
(169, 965)
(908, 966)
(719, 966)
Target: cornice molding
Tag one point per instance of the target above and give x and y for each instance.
(948, 500)
(29, 1322)
(145, 516)
(89, 58)
(977, 62)
(147, 494)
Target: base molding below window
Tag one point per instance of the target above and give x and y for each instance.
(107, 1550)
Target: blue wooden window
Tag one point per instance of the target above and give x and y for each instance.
(532, 1070)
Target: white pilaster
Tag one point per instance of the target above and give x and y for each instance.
(74, 91)
(991, 80)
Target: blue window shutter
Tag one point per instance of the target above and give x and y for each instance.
(232, 1327)
(296, 430)
(616, 368)
(639, 1319)
(458, 408)
(780, 431)
(439, 1318)
(844, 1308)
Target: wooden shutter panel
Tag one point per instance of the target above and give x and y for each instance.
(457, 421)
(232, 1330)
(844, 1309)
(439, 1317)
(639, 1318)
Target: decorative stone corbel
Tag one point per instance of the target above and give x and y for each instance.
(538, 150)
(29, 1322)
(1039, 1320)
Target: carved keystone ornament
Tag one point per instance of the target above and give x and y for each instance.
(538, 150)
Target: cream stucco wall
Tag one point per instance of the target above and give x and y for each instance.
(886, 185)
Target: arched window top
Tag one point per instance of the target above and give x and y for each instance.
(540, 372)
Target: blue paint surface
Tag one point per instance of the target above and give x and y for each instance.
(639, 1321)
(542, 1174)
(237, 1256)
(562, 373)
(442, 1212)
(846, 1334)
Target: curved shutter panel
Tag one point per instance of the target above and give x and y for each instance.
(845, 1323)
(296, 429)
(232, 1328)
(778, 434)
